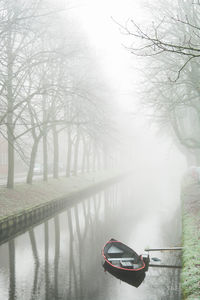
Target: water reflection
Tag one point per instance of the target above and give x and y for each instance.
(134, 281)
(36, 262)
(57, 254)
(61, 259)
(46, 255)
(11, 245)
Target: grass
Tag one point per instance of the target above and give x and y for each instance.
(190, 276)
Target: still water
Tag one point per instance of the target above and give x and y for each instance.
(61, 258)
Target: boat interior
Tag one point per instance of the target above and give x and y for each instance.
(123, 258)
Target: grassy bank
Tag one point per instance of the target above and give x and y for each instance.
(25, 196)
(190, 277)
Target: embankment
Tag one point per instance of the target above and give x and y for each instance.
(27, 205)
(190, 277)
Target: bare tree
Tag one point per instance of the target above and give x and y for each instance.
(171, 46)
(50, 84)
(19, 55)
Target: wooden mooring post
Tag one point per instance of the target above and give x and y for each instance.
(164, 249)
(165, 266)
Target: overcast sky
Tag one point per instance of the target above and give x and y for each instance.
(107, 41)
(96, 20)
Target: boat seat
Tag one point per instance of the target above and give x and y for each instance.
(126, 264)
(122, 258)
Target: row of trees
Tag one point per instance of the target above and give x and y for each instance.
(170, 43)
(51, 89)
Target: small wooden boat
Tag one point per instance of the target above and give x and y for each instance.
(124, 263)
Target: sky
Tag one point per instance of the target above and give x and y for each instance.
(97, 19)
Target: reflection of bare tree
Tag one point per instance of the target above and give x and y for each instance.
(108, 199)
(89, 214)
(46, 251)
(87, 218)
(72, 269)
(36, 259)
(11, 245)
(96, 237)
(116, 193)
(57, 254)
(85, 224)
(97, 205)
(173, 258)
(165, 283)
(35, 281)
(34, 246)
(83, 209)
(106, 194)
(80, 243)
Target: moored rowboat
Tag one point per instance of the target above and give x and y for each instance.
(124, 263)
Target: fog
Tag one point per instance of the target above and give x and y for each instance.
(85, 88)
(158, 165)
(85, 95)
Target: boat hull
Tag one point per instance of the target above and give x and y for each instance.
(123, 263)
(132, 278)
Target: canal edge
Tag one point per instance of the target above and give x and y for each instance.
(17, 223)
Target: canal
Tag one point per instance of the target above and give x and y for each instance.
(61, 258)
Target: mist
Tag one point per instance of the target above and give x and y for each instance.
(99, 122)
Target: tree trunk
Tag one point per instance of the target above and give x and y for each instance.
(69, 154)
(76, 153)
(11, 160)
(45, 151)
(98, 161)
(94, 158)
(88, 158)
(29, 178)
(10, 125)
(45, 158)
(105, 159)
(87, 161)
(55, 153)
(84, 157)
